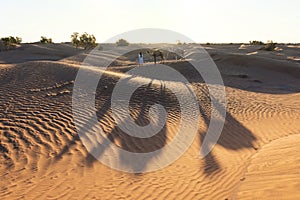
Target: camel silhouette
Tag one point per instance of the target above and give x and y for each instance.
(156, 53)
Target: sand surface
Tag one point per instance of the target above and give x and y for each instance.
(256, 157)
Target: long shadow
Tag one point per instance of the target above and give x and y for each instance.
(133, 144)
(76, 137)
(234, 136)
(152, 94)
(103, 109)
(140, 119)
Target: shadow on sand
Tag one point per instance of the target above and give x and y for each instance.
(234, 135)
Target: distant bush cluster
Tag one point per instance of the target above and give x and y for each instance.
(11, 41)
(88, 41)
(178, 42)
(270, 46)
(45, 40)
(122, 42)
(85, 40)
(255, 42)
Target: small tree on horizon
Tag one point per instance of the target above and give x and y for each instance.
(45, 40)
(74, 39)
(255, 42)
(122, 42)
(18, 40)
(86, 40)
(11, 41)
(270, 46)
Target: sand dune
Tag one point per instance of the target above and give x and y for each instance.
(37, 51)
(274, 170)
(42, 156)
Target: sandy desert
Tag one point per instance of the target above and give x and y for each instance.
(256, 157)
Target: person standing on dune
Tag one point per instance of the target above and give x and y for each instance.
(141, 59)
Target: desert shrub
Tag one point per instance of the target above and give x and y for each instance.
(11, 41)
(7, 41)
(17, 40)
(270, 46)
(45, 40)
(122, 42)
(74, 39)
(255, 42)
(85, 40)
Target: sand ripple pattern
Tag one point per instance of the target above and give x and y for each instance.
(42, 157)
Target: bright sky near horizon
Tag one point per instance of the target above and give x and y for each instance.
(200, 20)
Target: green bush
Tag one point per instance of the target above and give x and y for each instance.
(255, 42)
(18, 40)
(270, 46)
(86, 40)
(45, 40)
(74, 39)
(122, 42)
(11, 41)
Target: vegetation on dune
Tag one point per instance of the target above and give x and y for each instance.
(74, 39)
(45, 40)
(178, 42)
(10, 42)
(85, 40)
(255, 42)
(270, 46)
(122, 42)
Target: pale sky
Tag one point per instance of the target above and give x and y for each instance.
(200, 20)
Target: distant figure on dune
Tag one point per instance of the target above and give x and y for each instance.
(141, 59)
(156, 53)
